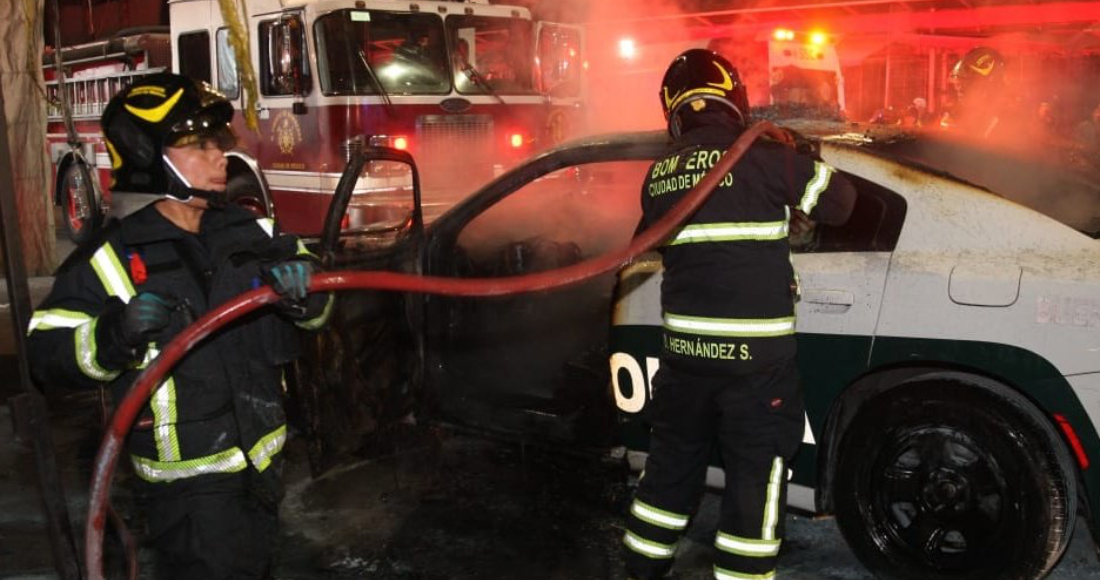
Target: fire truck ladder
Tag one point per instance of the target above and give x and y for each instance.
(88, 96)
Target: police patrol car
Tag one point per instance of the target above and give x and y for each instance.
(949, 347)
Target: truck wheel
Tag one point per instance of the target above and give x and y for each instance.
(82, 213)
(957, 477)
(244, 189)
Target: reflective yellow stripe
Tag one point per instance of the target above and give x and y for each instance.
(163, 403)
(723, 574)
(85, 351)
(731, 232)
(111, 273)
(771, 503)
(56, 318)
(648, 548)
(658, 517)
(231, 460)
(303, 250)
(267, 447)
(317, 322)
(156, 114)
(815, 187)
(750, 547)
(743, 327)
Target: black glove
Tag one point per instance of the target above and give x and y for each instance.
(124, 331)
(290, 280)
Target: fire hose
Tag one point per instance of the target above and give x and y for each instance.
(138, 395)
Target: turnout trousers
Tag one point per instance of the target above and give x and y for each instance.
(757, 422)
(212, 527)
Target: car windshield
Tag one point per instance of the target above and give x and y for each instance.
(491, 54)
(360, 49)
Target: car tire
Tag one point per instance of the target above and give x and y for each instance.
(954, 476)
(80, 205)
(243, 189)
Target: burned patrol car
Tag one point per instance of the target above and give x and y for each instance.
(946, 335)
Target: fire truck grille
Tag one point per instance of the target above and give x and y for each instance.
(454, 151)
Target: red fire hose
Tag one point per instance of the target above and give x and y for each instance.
(139, 393)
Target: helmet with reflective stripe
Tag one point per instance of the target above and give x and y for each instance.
(695, 80)
(981, 67)
(158, 111)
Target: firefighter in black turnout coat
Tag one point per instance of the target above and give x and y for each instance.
(727, 372)
(207, 447)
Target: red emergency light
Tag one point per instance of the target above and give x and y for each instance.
(401, 142)
(783, 34)
(516, 140)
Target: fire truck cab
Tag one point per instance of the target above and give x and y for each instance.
(469, 88)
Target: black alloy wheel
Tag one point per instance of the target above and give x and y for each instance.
(954, 477)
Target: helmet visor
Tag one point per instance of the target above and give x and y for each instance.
(205, 131)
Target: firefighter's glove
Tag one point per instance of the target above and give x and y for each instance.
(290, 280)
(124, 331)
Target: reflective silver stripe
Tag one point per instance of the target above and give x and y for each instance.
(746, 546)
(111, 273)
(771, 503)
(267, 225)
(229, 461)
(320, 320)
(56, 318)
(731, 232)
(820, 181)
(648, 548)
(85, 351)
(658, 517)
(723, 574)
(745, 327)
(266, 448)
(165, 416)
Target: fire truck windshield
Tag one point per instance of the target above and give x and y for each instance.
(491, 54)
(358, 49)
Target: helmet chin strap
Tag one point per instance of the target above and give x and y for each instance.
(181, 190)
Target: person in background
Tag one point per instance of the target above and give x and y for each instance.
(727, 375)
(207, 447)
(1087, 132)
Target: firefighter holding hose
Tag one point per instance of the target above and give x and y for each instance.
(727, 378)
(207, 447)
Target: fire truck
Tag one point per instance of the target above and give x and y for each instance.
(468, 87)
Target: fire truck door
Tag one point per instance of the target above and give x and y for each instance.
(560, 75)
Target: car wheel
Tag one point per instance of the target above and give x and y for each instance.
(83, 216)
(243, 189)
(954, 476)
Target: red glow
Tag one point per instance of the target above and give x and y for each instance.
(783, 34)
(515, 140)
(1074, 441)
(818, 38)
(401, 143)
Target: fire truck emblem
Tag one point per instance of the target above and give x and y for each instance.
(286, 132)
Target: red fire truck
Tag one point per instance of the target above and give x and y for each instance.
(469, 88)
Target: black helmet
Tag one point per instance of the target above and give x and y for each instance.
(155, 112)
(981, 66)
(699, 76)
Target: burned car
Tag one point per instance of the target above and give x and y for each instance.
(946, 337)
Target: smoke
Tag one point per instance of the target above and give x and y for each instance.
(625, 67)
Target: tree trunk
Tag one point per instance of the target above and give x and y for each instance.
(25, 106)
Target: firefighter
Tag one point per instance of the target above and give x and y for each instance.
(727, 374)
(981, 104)
(206, 448)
